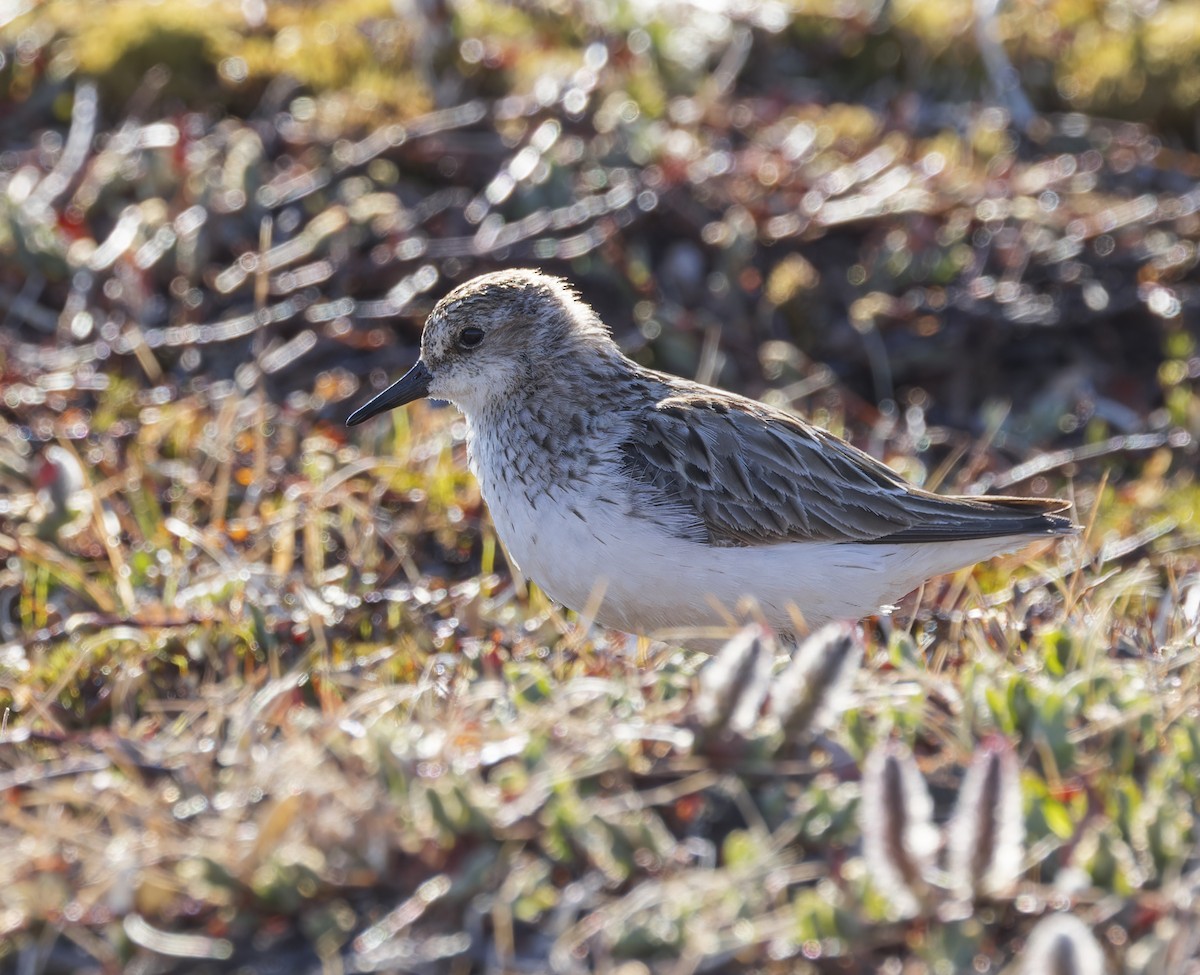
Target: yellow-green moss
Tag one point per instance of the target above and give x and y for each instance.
(325, 46)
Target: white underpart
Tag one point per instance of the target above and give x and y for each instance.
(652, 580)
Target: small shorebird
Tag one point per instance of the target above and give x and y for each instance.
(672, 499)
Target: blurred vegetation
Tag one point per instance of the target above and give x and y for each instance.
(357, 55)
(270, 693)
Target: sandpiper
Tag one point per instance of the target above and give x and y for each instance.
(671, 501)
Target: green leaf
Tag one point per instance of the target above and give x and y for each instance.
(1057, 818)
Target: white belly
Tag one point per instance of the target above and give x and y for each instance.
(647, 580)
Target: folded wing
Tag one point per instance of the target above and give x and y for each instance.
(733, 472)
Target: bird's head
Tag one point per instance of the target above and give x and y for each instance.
(493, 338)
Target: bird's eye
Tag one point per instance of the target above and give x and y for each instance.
(470, 337)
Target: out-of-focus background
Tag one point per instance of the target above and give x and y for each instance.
(271, 696)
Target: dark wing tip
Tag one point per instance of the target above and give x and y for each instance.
(980, 516)
(1041, 515)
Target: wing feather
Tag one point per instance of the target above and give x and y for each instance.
(735, 472)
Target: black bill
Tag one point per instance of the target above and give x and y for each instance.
(412, 385)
